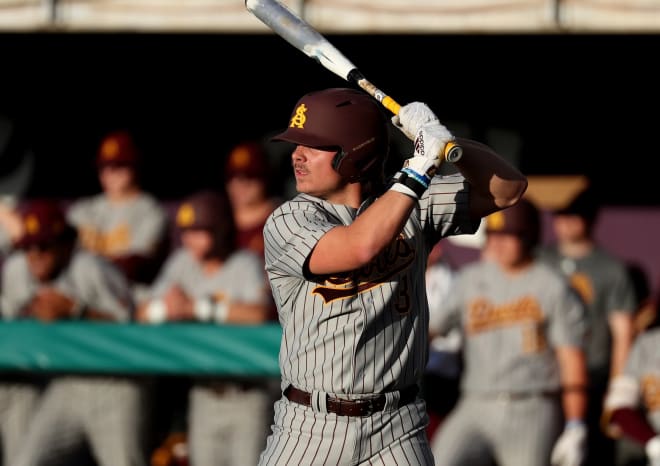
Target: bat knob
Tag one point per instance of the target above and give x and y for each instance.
(453, 152)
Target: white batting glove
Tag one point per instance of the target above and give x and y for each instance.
(412, 117)
(420, 125)
(653, 451)
(570, 448)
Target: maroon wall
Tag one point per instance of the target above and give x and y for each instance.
(630, 233)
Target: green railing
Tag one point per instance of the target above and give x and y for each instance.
(167, 349)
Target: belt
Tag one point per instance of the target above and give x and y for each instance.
(363, 407)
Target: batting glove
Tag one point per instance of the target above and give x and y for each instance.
(653, 451)
(570, 448)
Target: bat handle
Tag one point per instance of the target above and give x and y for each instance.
(452, 152)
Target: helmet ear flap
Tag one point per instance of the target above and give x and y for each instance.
(337, 160)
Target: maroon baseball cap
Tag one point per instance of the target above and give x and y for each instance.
(117, 148)
(204, 209)
(522, 219)
(247, 159)
(44, 223)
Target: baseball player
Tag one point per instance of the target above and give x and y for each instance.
(123, 222)
(209, 279)
(49, 279)
(523, 387)
(346, 260)
(632, 404)
(604, 283)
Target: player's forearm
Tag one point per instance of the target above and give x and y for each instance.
(573, 374)
(350, 247)
(621, 326)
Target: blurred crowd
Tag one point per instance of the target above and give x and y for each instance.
(540, 353)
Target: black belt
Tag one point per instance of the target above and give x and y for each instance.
(363, 407)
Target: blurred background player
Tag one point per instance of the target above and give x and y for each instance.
(247, 180)
(440, 385)
(209, 279)
(48, 278)
(606, 287)
(632, 404)
(248, 175)
(523, 395)
(123, 222)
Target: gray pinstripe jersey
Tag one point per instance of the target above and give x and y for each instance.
(511, 326)
(239, 279)
(364, 331)
(113, 229)
(88, 278)
(644, 366)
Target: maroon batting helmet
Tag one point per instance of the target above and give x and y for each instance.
(344, 119)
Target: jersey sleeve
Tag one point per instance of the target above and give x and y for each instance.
(151, 229)
(622, 292)
(290, 235)
(568, 324)
(169, 274)
(100, 286)
(251, 286)
(444, 208)
(16, 292)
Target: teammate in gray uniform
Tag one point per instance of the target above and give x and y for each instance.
(123, 222)
(632, 404)
(604, 283)
(524, 373)
(346, 260)
(208, 279)
(49, 279)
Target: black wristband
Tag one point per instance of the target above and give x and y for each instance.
(410, 182)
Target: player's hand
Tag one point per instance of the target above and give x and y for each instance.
(412, 117)
(50, 304)
(179, 305)
(653, 451)
(570, 448)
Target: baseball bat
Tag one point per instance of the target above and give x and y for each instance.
(299, 33)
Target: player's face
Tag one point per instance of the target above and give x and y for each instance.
(569, 227)
(314, 173)
(198, 242)
(507, 250)
(116, 179)
(245, 191)
(43, 261)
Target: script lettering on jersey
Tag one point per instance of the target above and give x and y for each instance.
(483, 315)
(111, 242)
(651, 391)
(395, 258)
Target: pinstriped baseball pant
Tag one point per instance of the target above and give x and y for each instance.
(513, 432)
(303, 436)
(17, 405)
(107, 412)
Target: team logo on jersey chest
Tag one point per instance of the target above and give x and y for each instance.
(397, 257)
